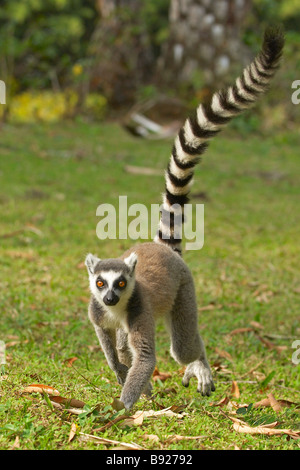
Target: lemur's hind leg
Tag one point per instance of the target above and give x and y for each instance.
(187, 347)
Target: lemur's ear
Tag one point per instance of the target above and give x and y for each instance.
(131, 261)
(90, 262)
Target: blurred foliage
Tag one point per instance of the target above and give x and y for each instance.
(154, 17)
(95, 106)
(50, 106)
(47, 52)
(276, 110)
(40, 40)
(125, 48)
(48, 45)
(286, 11)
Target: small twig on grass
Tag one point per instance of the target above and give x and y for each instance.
(12, 234)
(102, 440)
(238, 381)
(274, 336)
(253, 369)
(87, 380)
(20, 231)
(111, 423)
(208, 413)
(288, 388)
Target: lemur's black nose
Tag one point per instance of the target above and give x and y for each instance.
(111, 298)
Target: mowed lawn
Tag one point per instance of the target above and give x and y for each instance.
(247, 277)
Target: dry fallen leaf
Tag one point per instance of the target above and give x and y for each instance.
(210, 307)
(138, 418)
(62, 404)
(274, 403)
(288, 403)
(151, 437)
(170, 411)
(40, 388)
(68, 402)
(72, 432)
(267, 429)
(235, 392)
(223, 402)
(219, 367)
(240, 330)
(256, 325)
(224, 354)
(135, 420)
(16, 444)
(270, 345)
(264, 402)
(177, 438)
(70, 361)
(160, 375)
(281, 402)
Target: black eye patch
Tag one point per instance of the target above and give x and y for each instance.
(120, 283)
(100, 283)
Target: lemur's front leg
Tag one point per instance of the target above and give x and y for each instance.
(141, 340)
(107, 339)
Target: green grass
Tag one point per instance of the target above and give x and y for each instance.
(52, 178)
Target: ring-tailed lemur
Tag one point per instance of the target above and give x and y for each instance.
(151, 280)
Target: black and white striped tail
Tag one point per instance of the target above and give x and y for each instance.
(207, 121)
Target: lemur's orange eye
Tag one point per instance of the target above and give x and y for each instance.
(122, 284)
(100, 283)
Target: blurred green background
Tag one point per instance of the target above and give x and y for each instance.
(97, 58)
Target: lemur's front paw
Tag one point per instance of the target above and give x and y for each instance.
(130, 394)
(203, 375)
(121, 373)
(128, 399)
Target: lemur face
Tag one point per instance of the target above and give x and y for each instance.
(111, 280)
(111, 285)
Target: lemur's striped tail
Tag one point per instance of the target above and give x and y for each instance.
(207, 121)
